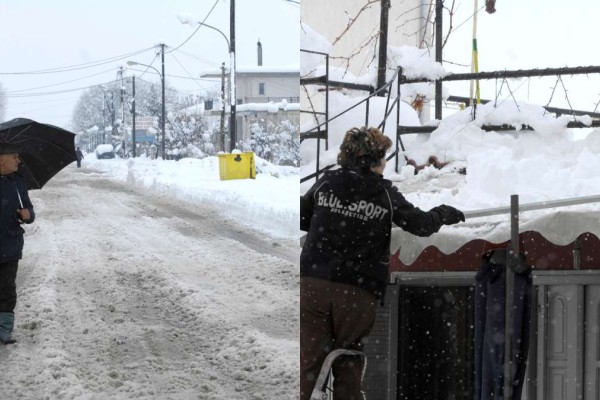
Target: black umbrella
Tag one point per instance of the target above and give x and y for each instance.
(45, 149)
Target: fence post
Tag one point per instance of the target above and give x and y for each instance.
(511, 263)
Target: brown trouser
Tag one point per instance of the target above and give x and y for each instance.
(333, 316)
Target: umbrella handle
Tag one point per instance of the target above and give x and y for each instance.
(19, 196)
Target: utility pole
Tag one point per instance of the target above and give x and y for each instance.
(222, 132)
(162, 46)
(124, 137)
(113, 115)
(133, 117)
(232, 123)
(103, 114)
(383, 36)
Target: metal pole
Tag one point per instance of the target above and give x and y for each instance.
(326, 106)
(383, 33)
(474, 97)
(511, 263)
(162, 77)
(398, 119)
(133, 117)
(222, 130)
(124, 137)
(533, 206)
(439, 9)
(232, 123)
(103, 115)
(518, 73)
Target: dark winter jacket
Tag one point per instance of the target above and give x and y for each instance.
(11, 232)
(348, 216)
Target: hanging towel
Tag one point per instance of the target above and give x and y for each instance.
(490, 292)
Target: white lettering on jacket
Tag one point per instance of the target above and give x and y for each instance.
(362, 209)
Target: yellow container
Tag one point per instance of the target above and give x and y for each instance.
(237, 166)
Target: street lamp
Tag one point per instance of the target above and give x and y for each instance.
(162, 79)
(232, 95)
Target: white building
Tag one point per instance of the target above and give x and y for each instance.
(256, 87)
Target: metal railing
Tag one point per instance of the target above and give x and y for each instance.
(402, 130)
(391, 105)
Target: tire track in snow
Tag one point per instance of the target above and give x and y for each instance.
(163, 307)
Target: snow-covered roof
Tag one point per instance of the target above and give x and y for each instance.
(560, 226)
(269, 107)
(254, 70)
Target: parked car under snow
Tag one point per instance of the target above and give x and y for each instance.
(105, 151)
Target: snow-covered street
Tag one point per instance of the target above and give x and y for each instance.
(127, 293)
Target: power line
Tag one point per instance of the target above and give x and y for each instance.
(58, 84)
(79, 66)
(199, 26)
(203, 60)
(186, 71)
(58, 91)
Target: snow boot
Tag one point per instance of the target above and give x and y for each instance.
(7, 322)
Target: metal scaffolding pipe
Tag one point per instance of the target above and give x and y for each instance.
(520, 73)
(533, 206)
(512, 260)
(556, 110)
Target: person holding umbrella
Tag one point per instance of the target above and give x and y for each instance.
(16, 209)
(348, 214)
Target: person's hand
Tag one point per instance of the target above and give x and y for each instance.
(450, 215)
(24, 214)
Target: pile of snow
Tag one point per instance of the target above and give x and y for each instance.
(548, 163)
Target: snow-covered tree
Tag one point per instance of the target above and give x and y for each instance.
(107, 106)
(278, 143)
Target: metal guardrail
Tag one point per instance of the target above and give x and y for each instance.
(533, 206)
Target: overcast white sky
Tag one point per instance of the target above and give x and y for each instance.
(526, 35)
(40, 35)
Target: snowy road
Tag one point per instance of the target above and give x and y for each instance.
(128, 295)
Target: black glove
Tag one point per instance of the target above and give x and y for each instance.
(449, 214)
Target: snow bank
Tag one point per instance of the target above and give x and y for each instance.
(268, 203)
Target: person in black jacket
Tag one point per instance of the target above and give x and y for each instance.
(15, 209)
(349, 214)
(80, 157)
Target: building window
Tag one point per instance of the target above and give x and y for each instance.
(261, 89)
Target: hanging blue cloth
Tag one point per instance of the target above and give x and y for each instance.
(490, 293)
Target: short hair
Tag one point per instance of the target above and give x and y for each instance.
(363, 148)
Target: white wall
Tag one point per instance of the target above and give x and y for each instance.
(276, 85)
(331, 19)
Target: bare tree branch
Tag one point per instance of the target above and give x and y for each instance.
(352, 20)
(370, 41)
(451, 12)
